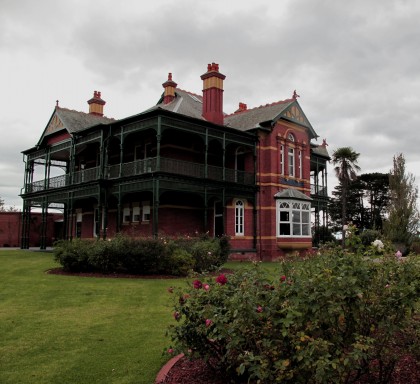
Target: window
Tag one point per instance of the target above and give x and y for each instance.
(239, 218)
(293, 218)
(146, 211)
(282, 159)
(300, 164)
(136, 213)
(126, 215)
(79, 218)
(291, 159)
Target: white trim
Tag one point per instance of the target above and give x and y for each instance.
(293, 219)
(239, 217)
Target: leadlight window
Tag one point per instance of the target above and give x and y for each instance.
(293, 219)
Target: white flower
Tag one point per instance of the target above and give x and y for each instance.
(378, 244)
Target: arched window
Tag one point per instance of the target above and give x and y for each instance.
(291, 156)
(239, 218)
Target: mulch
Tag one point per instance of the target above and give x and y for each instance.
(407, 371)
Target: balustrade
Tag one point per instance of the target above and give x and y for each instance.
(142, 167)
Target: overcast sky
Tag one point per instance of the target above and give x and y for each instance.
(355, 65)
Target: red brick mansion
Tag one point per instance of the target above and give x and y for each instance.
(182, 167)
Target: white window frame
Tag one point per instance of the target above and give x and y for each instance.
(145, 211)
(300, 163)
(126, 215)
(291, 160)
(136, 213)
(293, 218)
(239, 218)
(282, 159)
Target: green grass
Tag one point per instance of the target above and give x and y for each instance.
(64, 329)
(67, 329)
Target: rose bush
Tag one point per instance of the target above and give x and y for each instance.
(323, 320)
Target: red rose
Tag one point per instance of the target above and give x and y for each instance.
(197, 284)
(221, 279)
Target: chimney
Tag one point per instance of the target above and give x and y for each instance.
(169, 86)
(213, 94)
(242, 107)
(96, 104)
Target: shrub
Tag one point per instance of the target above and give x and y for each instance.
(368, 236)
(415, 247)
(323, 320)
(73, 255)
(142, 256)
(179, 262)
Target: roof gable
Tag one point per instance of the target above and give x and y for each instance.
(295, 114)
(71, 121)
(288, 110)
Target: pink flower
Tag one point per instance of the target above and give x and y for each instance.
(259, 309)
(197, 284)
(170, 351)
(177, 316)
(206, 287)
(208, 322)
(221, 279)
(283, 278)
(398, 254)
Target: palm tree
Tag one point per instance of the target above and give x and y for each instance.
(345, 165)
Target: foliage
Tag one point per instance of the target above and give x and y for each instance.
(402, 225)
(368, 236)
(73, 255)
(322, 235)
(345, 166)
(367, 199)
(124, 254)
(321, 320)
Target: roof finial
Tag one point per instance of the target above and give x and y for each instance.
(295, 95)
(56, 103)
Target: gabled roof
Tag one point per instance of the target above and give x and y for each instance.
(185, 103)
(292, 194)
(289, 110)
(71, 121)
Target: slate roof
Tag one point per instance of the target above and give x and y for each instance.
(185, 103)
(75, 121)
(251, 118)
(320, 150)
(191, 104)
(292, 194)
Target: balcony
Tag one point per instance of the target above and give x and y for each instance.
(144, 167)
(319, 190)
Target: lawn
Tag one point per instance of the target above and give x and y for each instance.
(68, 329)
(65, 329)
